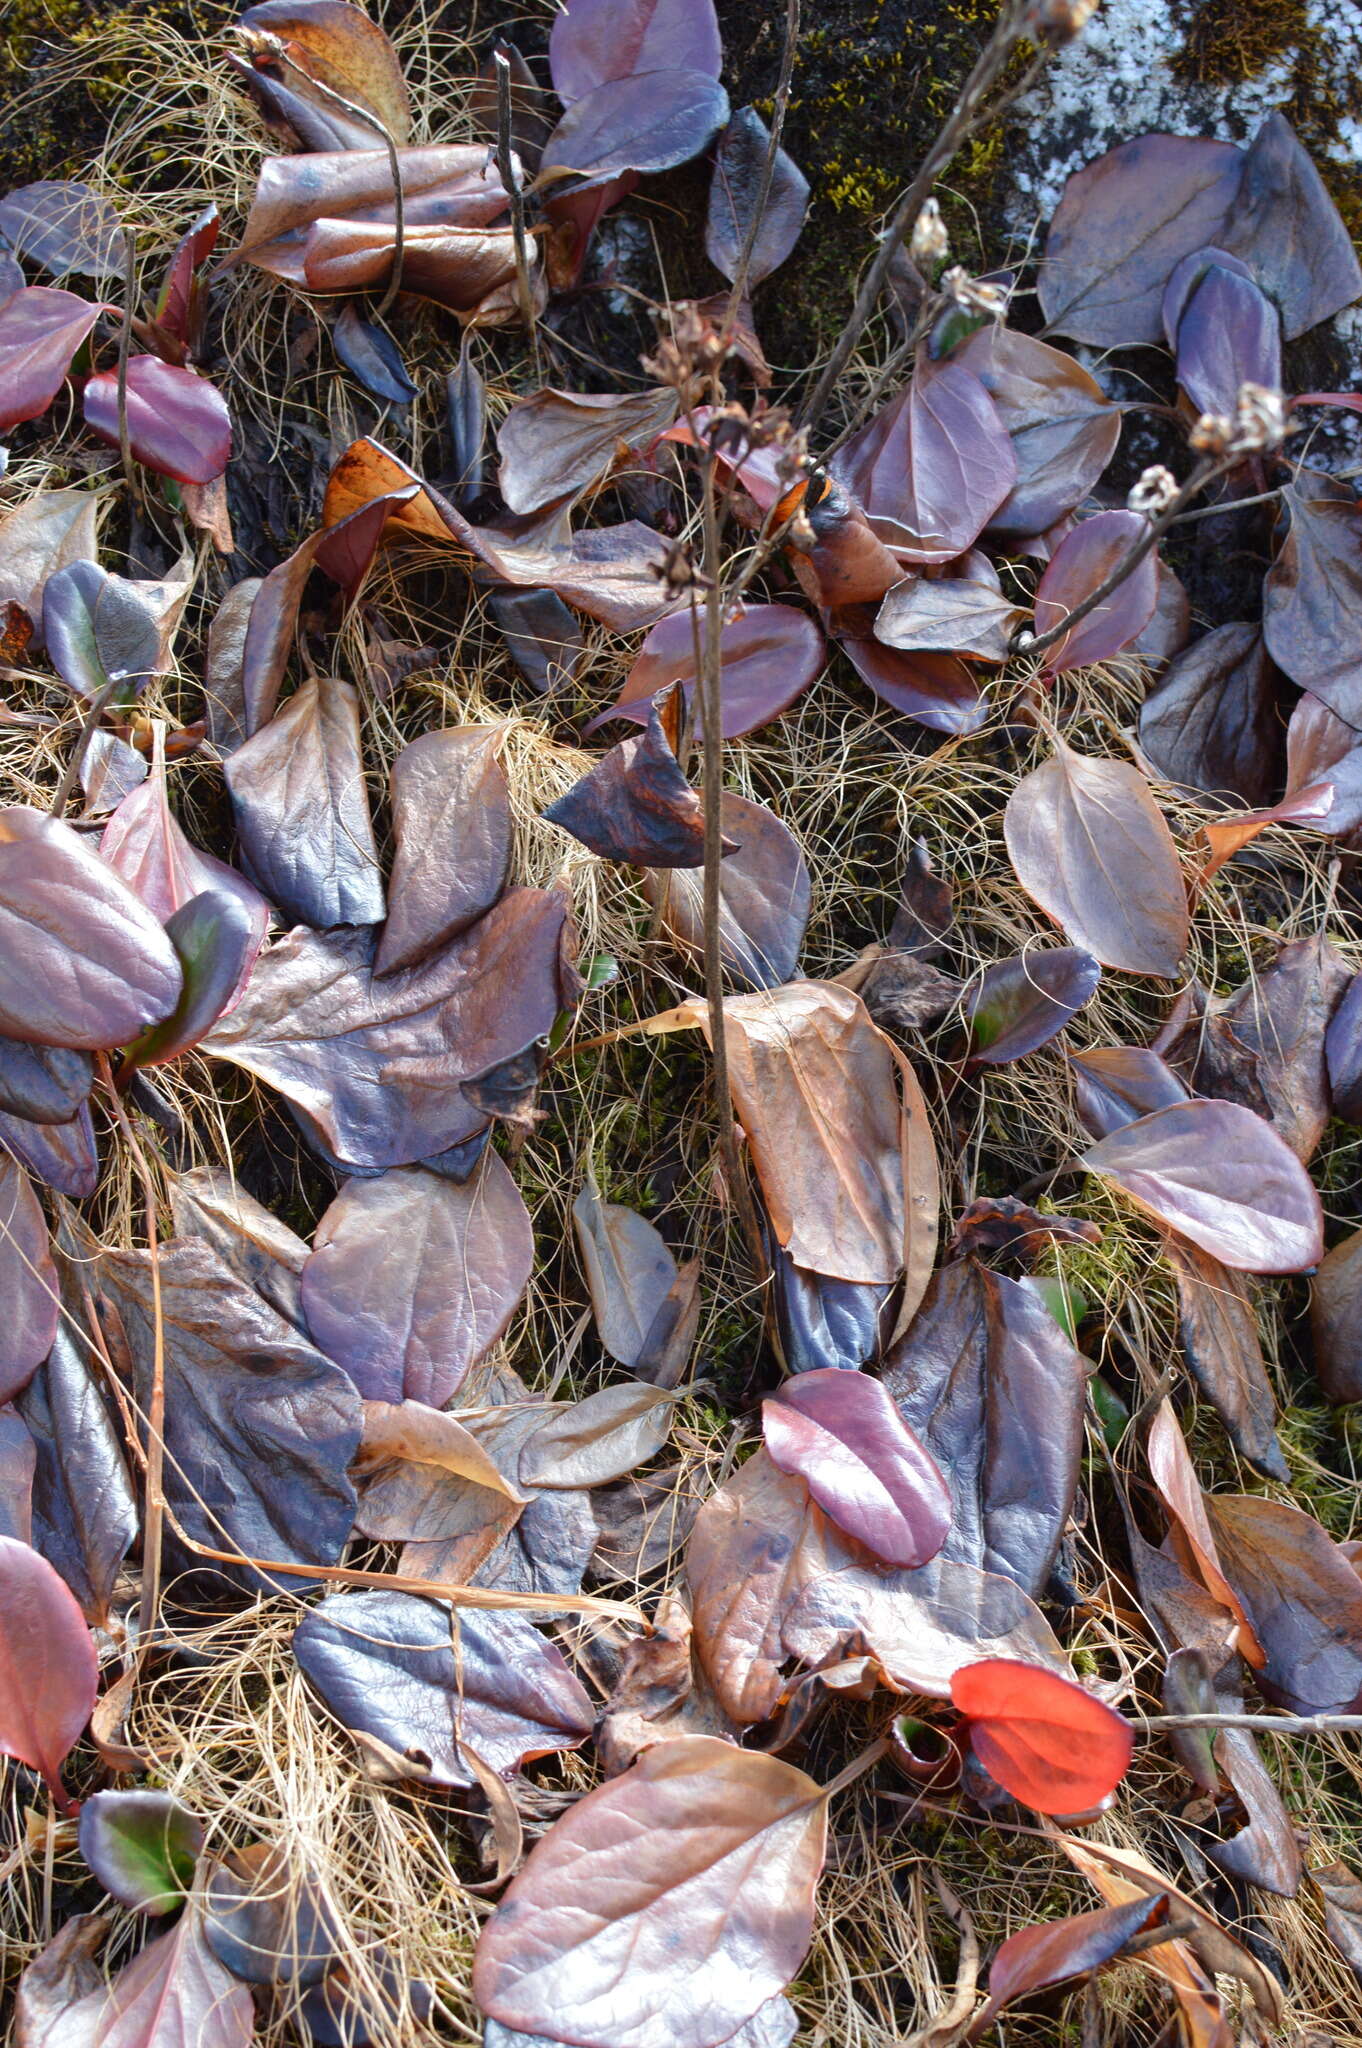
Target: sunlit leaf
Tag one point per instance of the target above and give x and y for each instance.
(389, 1665)
(769, 655)
(452, 824)
(559, 442)
(1303, 1598)
(1287, 225)
(648, 121)
(215, 942)
(84, 1514)
(64, 227)
(1020, 1004)
(932, 466)
(1080, 565)
(178, 423)
(1046, 1741)
(28, 1280)
(40, 331)
(1063, 429)
(1057, 1950)
(1220, 1175)
(636, 805)
(843, 1435)
(412, 1278)
(49, 1669)
(591, 1442)
(1089, 843)
(665, 1907)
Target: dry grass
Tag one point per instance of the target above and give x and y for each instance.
(230, 1725)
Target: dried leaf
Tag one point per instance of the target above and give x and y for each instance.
(260, 1428)
(633, 1281)
(666, 1907)
(44, 533)
(64, 227)
(1063, 429)
(413, 1278)
(558, 444)
(1313, 595)
(636, 805)
(84, 1513)
(1090, 845)
(399, 1668)
(1219, 1327)
(1264, 1851)
(952, 615)
(1229, 334)
(374, 1065)
(1336, 1321)
(175, 1990)
(1303, 1598)
(1211, 722)
(1320, 748)
(764, 896)
(1288, 227)
(1080, 565)
(28, 1281)
(61, 1979)
(1306, 807)
(250, 1242)
(599, 1439)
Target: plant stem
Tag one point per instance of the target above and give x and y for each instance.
(154, 1519)
(967, 116)
(1259, 1724)
(124, 345)
(1205, 472)
(768, 171)
(511, 180)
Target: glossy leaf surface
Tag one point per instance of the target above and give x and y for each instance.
(932, 466)
(48, 1672)
(842, 1434)
(593, 40)
(1080, 565)
(1020, 1004)
(178, 423)
(142, 1846)
(40, 331)
(665, 1908)
(769, 656)
(28, 1280)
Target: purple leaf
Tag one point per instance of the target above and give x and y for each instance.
(1063, 429)
(1022, 1003)
(178, 423)
(1122, 225)
(1285, 223)
(82, 963)
(28, 1281)
(1230, 334)
(651, 121)
(769, 655)
(1082, 562)
(932, 466)
(40, 331)
(842, 1434)
(64, 227)
(739, 166)
(215, 941)
(595, 40)
(1184, 280)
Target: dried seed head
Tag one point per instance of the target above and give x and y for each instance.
(930, 241)
(1212, 435)
(1056, 21)
(1260, 420)
(975, 294)
(1153, 492)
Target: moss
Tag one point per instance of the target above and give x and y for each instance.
(1228, 42)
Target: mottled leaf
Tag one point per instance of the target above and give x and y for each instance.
(142, 1846)
(1020, 1004)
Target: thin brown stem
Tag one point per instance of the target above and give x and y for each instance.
(768, 171)
(98, 704)
(972, 111)
(710, 692)
(153, 1524)
(124, 346)
(1205, 473)
(510, 178)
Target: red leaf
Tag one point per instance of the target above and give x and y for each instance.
(1081, 562)
(178, 423)
(865, 1468)
(48, 1667)
(769, 654)
(1046, 1741)
(40, 331)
